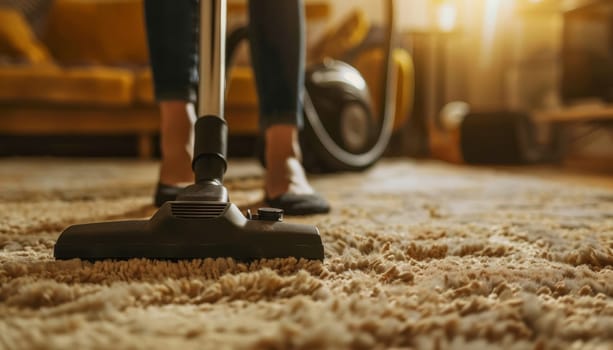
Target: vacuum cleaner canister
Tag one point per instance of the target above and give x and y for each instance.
(193, 230)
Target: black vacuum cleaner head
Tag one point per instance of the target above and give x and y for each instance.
(193, 230)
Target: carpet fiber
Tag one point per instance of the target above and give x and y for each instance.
(422, 256)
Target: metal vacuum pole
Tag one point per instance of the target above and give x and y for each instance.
(212, 58)
(211, 131)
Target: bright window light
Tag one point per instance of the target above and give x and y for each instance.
(446, 17)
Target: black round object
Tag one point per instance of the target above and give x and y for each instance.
(501, 137)
(339, 118)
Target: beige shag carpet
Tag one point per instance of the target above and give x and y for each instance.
(418, 255)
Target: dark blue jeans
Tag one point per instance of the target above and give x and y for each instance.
(276, 34)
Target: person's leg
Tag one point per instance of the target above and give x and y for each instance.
(171, 32)
(276, 30)
(277, 41)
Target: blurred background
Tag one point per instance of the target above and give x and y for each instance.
(476, 81)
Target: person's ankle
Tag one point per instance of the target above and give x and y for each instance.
(177, 122)
(282, 142)
(284, 172)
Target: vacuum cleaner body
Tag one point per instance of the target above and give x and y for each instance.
(343, 130)
(343, 103)
(193, 230)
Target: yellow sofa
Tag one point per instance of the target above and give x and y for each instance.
(87, 72)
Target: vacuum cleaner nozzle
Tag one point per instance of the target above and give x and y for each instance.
(192, 230)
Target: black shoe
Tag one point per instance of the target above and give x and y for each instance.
(165, 193)
(300, 204)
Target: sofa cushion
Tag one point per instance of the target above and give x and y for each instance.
(75, 86)
(143, 86)
(17, 41)
(242, 91)
(97, 32)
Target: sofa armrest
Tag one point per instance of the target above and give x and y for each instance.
(17, 40)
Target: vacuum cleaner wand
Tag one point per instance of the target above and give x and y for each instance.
(202, 223)
(211, 132)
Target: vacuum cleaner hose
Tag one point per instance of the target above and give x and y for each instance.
(387, 111)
